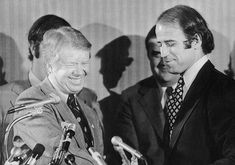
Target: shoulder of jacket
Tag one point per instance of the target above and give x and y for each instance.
(140, 86)
(15, 86)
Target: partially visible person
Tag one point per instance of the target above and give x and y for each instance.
(66, 55)
(10, 91)
(141, 119)
(2, 73)
(201, 113)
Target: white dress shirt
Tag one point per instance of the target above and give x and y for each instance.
(164, 95)
(192, 72)
(33, 79)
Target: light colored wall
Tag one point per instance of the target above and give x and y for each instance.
(103, 21)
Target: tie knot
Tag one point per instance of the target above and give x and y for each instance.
(169, 91)
(70, 99)
(180, 81)
(179, 87)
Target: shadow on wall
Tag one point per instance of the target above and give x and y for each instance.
(11, 59)
(99, 35)
(114, 60)
(2, 73)
(231, 65)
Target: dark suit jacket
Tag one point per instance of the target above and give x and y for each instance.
(141, 120)
(45, 128)
(204, 131)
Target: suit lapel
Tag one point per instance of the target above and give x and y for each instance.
(150, 101)
(191, 100)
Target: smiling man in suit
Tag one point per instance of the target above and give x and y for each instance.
(66, 55)
(141, 117)
(10, 91)
(201, 111)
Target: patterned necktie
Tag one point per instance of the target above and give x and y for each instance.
(173, 104)
(169, 91)
(76, 110)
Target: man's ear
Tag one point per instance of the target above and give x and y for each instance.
(196, 41)
(32, 48)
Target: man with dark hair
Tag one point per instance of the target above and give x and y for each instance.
(141, 118)
(35, 36)
(200, 127)
(66, 55)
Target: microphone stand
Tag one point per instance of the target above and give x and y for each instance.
(96, 156)
(68, 133)
(134, 160)
(30, 114)
(125, 160)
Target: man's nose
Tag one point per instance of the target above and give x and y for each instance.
(78, 70)
(164, 51)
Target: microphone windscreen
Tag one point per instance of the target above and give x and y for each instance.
(116, 140)
(38, 150)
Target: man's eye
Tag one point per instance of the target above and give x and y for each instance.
(170, 44)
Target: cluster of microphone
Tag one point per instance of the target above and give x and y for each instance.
(61, 153)
(20, 156)
(28, 158)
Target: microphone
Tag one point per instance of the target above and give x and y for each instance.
(68, 133)
(15, 152)
(70, 159)
(68, 136)
(117, 141)
(52, 99)
(36, 154)
(23, 157)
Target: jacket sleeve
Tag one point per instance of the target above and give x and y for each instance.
(125, 126)
(221, 115)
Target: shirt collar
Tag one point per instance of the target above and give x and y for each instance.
(33, 79)
(164, 97)
(192, 72)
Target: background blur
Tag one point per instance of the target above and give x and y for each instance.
(116, 29)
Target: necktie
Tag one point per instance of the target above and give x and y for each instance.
(169, 91)
(173, 104)
(76, 110)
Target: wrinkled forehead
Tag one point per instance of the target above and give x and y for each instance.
(70, 53)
